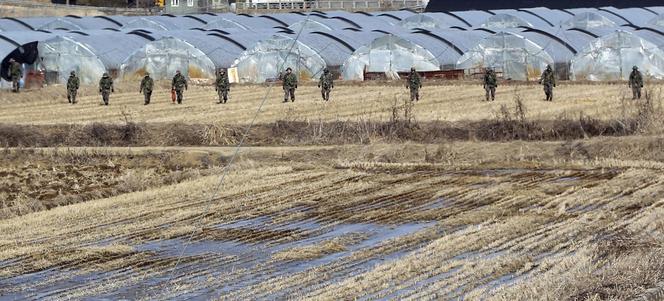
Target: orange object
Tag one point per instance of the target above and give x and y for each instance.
(173, 95)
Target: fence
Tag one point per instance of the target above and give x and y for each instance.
(350, 5)
(22, 8)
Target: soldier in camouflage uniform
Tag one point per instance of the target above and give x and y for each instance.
(222, 86)
(326, 83)
(106, 87)
(147, 84)
(15, 73)
(179, 83)
(289, 85)
(490, 84)
(414, 83)
(548, 80)
(72, 87)
(636, 82)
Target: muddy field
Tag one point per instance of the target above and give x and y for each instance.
(575, 214)
(34, 180)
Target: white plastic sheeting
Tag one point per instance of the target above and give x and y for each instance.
(223, 23)
(589, 20)
(309, 25)
(388, 54)
(612, 57)
(420, 21)
(145, 23)
(518, 57)
(63, 55)
(61, 24)
(161, 58)
(267, 58)
(504, 21)
(657, 21)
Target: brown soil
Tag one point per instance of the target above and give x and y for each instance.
(32, 181)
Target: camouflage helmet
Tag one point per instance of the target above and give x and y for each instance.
(222, 71)
(177, 71)
(72, 73)
(635, 68)
(412, 69)
(289, 69)
(105, 74)
(147, 74)
(325, 70)
(548, 67)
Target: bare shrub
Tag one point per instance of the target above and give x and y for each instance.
(183, 134)
(219, 134)
(573, 150)
(443, 153)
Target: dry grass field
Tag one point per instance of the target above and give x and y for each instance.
(555, 218)
(449, 102)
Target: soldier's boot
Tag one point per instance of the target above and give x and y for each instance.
(69, 98)
(73, 99)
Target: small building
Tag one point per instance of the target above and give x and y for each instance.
(182, 7)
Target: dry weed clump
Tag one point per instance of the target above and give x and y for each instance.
(320, 249)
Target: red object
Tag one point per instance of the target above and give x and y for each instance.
(173, 95)
(34, 79)
(446, 74)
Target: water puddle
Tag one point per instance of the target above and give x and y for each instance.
(257, 259)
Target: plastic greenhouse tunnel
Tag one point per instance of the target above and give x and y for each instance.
(162, 57)
(518, 57)
(269, 57)
(388, 54)
(612, 57)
